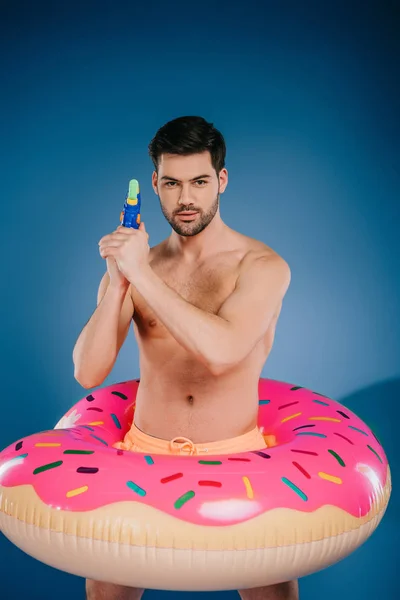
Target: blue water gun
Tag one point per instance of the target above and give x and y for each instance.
(130, 215)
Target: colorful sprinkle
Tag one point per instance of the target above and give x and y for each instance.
(120, 395)
(210, 483)
(294, 488)
(78, 452)
(328, 477)
(376, 438)
(19, 456)
(99, 439)
(77, 491)
(317, 394)
(261, 453)
(249, 489)
(321, 435)
(134, 487)
(338, 458)
(343, 414)
(116, 421)
(305, 452)
(52, 465)
(374, 451)
(87, 427)
(149, 460)
(95, 423)
(18, 446)
(47, 444)
(359, 430)
(240, 459)
(183, 499)
(171, 477)
(344, 437)
(300, 468)
(291, 417)
(96, 408)
(303, 427)
(295, 388)
(261, 402)
(90, 470)
(210, 462)
(90, 398)
(325, 419)
(320, 401)
(286, 405)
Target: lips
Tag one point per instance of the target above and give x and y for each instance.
(187, 214)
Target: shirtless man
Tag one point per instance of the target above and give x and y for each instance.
(204, 304)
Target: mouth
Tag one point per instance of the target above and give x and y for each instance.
(187, 216)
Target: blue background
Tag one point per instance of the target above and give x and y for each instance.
(307, 98)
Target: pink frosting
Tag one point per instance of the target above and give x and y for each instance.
(325, 455)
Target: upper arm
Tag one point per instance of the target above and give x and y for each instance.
(250, 309)
(127, 309)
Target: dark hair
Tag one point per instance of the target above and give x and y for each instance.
(189, 135)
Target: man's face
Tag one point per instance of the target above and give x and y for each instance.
(188, 184)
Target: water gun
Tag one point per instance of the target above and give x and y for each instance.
(130, 215)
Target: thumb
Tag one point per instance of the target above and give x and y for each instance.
(142, 226)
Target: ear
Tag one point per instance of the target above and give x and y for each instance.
(154, 182)
(223, 180)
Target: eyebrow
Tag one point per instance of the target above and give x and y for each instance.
(205, 176)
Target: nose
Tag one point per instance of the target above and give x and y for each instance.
(184, 197)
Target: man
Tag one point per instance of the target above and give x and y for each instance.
(204, 304)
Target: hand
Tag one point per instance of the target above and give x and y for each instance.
(129, 248)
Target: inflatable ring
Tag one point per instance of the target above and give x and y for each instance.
(72, 501)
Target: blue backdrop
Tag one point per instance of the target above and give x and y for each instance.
(307, 98)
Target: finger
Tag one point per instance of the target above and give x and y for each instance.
(112, 237)
(112, 243)
(108, 253)
(109, 250)
(127, 230)
(108, 237)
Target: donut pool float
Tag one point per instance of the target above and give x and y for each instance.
(73, 501)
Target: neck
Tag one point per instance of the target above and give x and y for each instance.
(191, 249)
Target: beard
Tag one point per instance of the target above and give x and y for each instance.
(191, 228)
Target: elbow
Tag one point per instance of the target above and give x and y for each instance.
(227, 357)
(87, 382)
(222, 364)
(218, 369)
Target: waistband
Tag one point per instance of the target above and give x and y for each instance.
(139, 441)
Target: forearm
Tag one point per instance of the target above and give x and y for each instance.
(202, 334)
(96, 349)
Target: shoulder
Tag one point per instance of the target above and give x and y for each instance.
(261, 257)
(266, 272)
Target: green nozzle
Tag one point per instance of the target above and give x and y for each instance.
(133, 191)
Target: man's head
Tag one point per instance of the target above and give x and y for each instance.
(188, 154)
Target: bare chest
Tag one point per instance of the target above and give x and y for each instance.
(206, 287)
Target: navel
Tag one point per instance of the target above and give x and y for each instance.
(190, 399)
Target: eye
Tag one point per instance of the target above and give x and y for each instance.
(170, 183)
(201, 181)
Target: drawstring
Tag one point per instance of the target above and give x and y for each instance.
(184, 444)
(178, 445)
